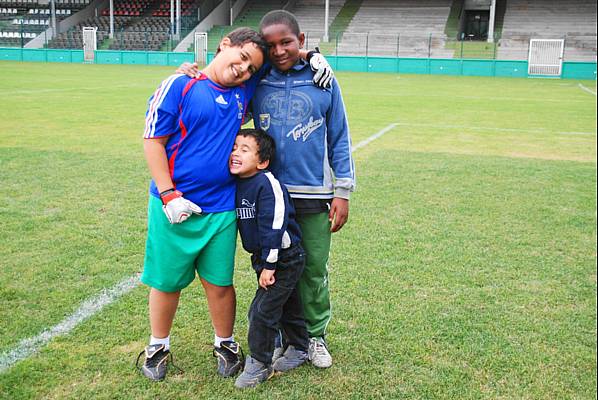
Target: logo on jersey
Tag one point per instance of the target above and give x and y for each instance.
(265, 121)
(282, 110)
(240, 106)
(246, 212)
(220, 100)
(303, 131)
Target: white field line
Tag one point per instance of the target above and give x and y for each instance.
(89, 307)
(373, 137)
(73, 89)
(490, 98)
(492, 128)
(582, 87)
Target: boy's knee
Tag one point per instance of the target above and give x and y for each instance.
(220, 292)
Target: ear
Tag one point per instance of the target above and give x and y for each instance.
(301, 38)
(263, 164)
(224, 43)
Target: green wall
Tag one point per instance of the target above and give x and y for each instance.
(433, 66)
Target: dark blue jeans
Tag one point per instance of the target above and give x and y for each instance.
(279, 307)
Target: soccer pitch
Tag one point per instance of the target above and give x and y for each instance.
(467, 269)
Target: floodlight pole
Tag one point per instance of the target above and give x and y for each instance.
(111, 19)
(326, 15)
(53, 11)
(491, 22)
(178, 19)
(172, 27)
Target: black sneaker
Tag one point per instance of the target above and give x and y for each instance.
(156, 362)
(230, 358)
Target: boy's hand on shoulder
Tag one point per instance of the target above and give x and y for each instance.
(339, 213)
(267, 278)
(191, 70)
(176, 207)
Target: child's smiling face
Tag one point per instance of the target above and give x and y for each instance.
(283, 45)
(235, 64)
(245, 159)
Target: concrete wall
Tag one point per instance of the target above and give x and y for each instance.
(219, 16)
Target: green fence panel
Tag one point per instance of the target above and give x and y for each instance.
(466, 67)
(414, 66)
(351, 63)
(178, 58)
(579, 70)
(135, 57)
(11, 54)
(445, 67)
(77, 56)
(383, 64)
(478, 67)
(36, 55)
(108, 57)
(64, 56)
(514, 69)
(157, 58)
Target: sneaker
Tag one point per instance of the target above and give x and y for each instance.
(292, 358)
(278, 349)
(230, 358)
(255, 372)
(318, 353)
(156, 362)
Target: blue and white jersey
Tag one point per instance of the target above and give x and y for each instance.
(266, 218)
(201, 120)
(310, 128)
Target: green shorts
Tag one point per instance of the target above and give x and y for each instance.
(173, 252)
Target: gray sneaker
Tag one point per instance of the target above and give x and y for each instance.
(254, 373)
(292, 358)
(318, 353)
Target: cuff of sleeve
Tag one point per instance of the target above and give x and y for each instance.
(270, 266)
(342, 193)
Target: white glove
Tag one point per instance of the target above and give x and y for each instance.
(177, 208)
(323, 72)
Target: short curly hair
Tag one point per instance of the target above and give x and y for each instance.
(265, 143)
(243, 35)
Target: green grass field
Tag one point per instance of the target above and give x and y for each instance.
(467, 269)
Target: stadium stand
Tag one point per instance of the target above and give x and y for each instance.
(21, 21)
(573, 20)
(138, 25)
(391, 28)
(310, 14)
(250, 16)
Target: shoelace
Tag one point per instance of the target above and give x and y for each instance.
(320, 348)
(171, 362)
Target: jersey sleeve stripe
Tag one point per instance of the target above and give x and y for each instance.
(155, 103)
(272, 256)
(278, 202)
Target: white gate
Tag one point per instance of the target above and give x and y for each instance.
(201, 48)
(545, 57)
(89, 44)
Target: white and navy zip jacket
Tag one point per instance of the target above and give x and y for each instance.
(266, 219)
(310, 128)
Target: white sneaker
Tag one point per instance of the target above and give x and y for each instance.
(318, 353)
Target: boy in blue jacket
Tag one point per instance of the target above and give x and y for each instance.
(299, 104)
(266, 222)
(313, 160)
